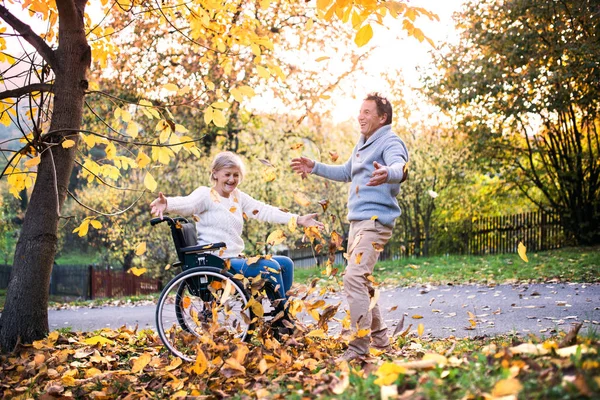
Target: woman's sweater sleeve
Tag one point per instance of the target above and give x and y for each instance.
(194, 203)
(263, 212)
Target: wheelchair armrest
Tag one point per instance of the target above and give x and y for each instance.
(202, 248)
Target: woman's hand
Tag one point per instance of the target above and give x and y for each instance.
(309, 220)
(302, 165)
(159, 205)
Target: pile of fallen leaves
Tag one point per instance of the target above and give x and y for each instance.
(130, 364)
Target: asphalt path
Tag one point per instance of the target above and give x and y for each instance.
(461, 311)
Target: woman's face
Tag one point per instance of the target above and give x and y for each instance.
(227, 180)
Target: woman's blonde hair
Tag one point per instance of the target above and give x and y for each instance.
(226, 159)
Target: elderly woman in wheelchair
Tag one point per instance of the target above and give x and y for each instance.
(209, 295)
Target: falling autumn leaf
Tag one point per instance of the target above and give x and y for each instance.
(333, 155)
(358, 258)
(266, 162)
(137, 271)
(522, 250)
(276, 237)
(296, 146)
(301, 199)
(420, 329)
(140, 249)
(324, 203)
(293, 224)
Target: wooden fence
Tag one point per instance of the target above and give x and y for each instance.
(89, 282)
(539, 230)
(109, 283)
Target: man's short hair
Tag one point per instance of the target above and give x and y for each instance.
(384, 106)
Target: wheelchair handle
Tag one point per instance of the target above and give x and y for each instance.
(170, 221)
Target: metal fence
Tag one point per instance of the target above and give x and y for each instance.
(91, 282)
(539, 230)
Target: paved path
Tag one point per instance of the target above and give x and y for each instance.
(541, 309)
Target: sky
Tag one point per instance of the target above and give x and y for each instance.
(405, 53)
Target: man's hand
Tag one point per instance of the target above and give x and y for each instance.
(159, 205)
(302, 165)
(309, 220)
(379, 176)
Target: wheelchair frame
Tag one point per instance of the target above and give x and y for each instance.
(205, 297)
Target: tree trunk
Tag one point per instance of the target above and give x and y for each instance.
(25, 315)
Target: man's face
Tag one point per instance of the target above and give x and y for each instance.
(368, 119)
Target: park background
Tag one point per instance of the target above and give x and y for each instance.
(498, 107)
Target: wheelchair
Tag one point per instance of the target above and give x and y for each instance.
(208, 298)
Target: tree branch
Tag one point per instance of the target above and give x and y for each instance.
(30, 36)
(34, 87)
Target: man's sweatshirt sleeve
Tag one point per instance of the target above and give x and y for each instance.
(340, 173)
(395, 157)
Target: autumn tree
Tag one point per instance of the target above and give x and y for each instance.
(521, 82)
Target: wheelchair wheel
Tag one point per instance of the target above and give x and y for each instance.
(201, 301)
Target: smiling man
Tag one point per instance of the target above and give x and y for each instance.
(375, 170)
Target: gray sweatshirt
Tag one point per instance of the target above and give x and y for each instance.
(364, 201)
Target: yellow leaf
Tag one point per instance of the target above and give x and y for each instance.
(301, 199)
(322, 58)
(91, 372)
(417, 316)
(507, 387)
(186, 302)
(171, 87)
(208, 115)
(374, 217)
(363, 332)
(82, 229)
(142, 160)
(219, 118)
(137, 271)
(263, 72)
(140, 249)
(358, 257)
(149, 182)
(96, 224)
(175, 363)
(32, 162)
(132, 129)
(522, 250)
(420, 329)
(388, 372)
(276, 237)
(68, 143)
(201, 363)
(252, 260)
(319, 333)
(140, 363)
(293, 224)
(220, 104)
(98, 339)
(363, 35)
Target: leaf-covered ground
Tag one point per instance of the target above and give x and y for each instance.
(129, 364)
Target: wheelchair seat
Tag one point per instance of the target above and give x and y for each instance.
(185, 237)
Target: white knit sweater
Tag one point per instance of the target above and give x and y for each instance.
(221, 219)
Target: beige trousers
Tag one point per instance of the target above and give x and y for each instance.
(364, 239)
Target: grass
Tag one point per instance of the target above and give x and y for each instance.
(77, 258)
(581, 264)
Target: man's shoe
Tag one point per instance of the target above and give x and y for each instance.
(349, 355)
